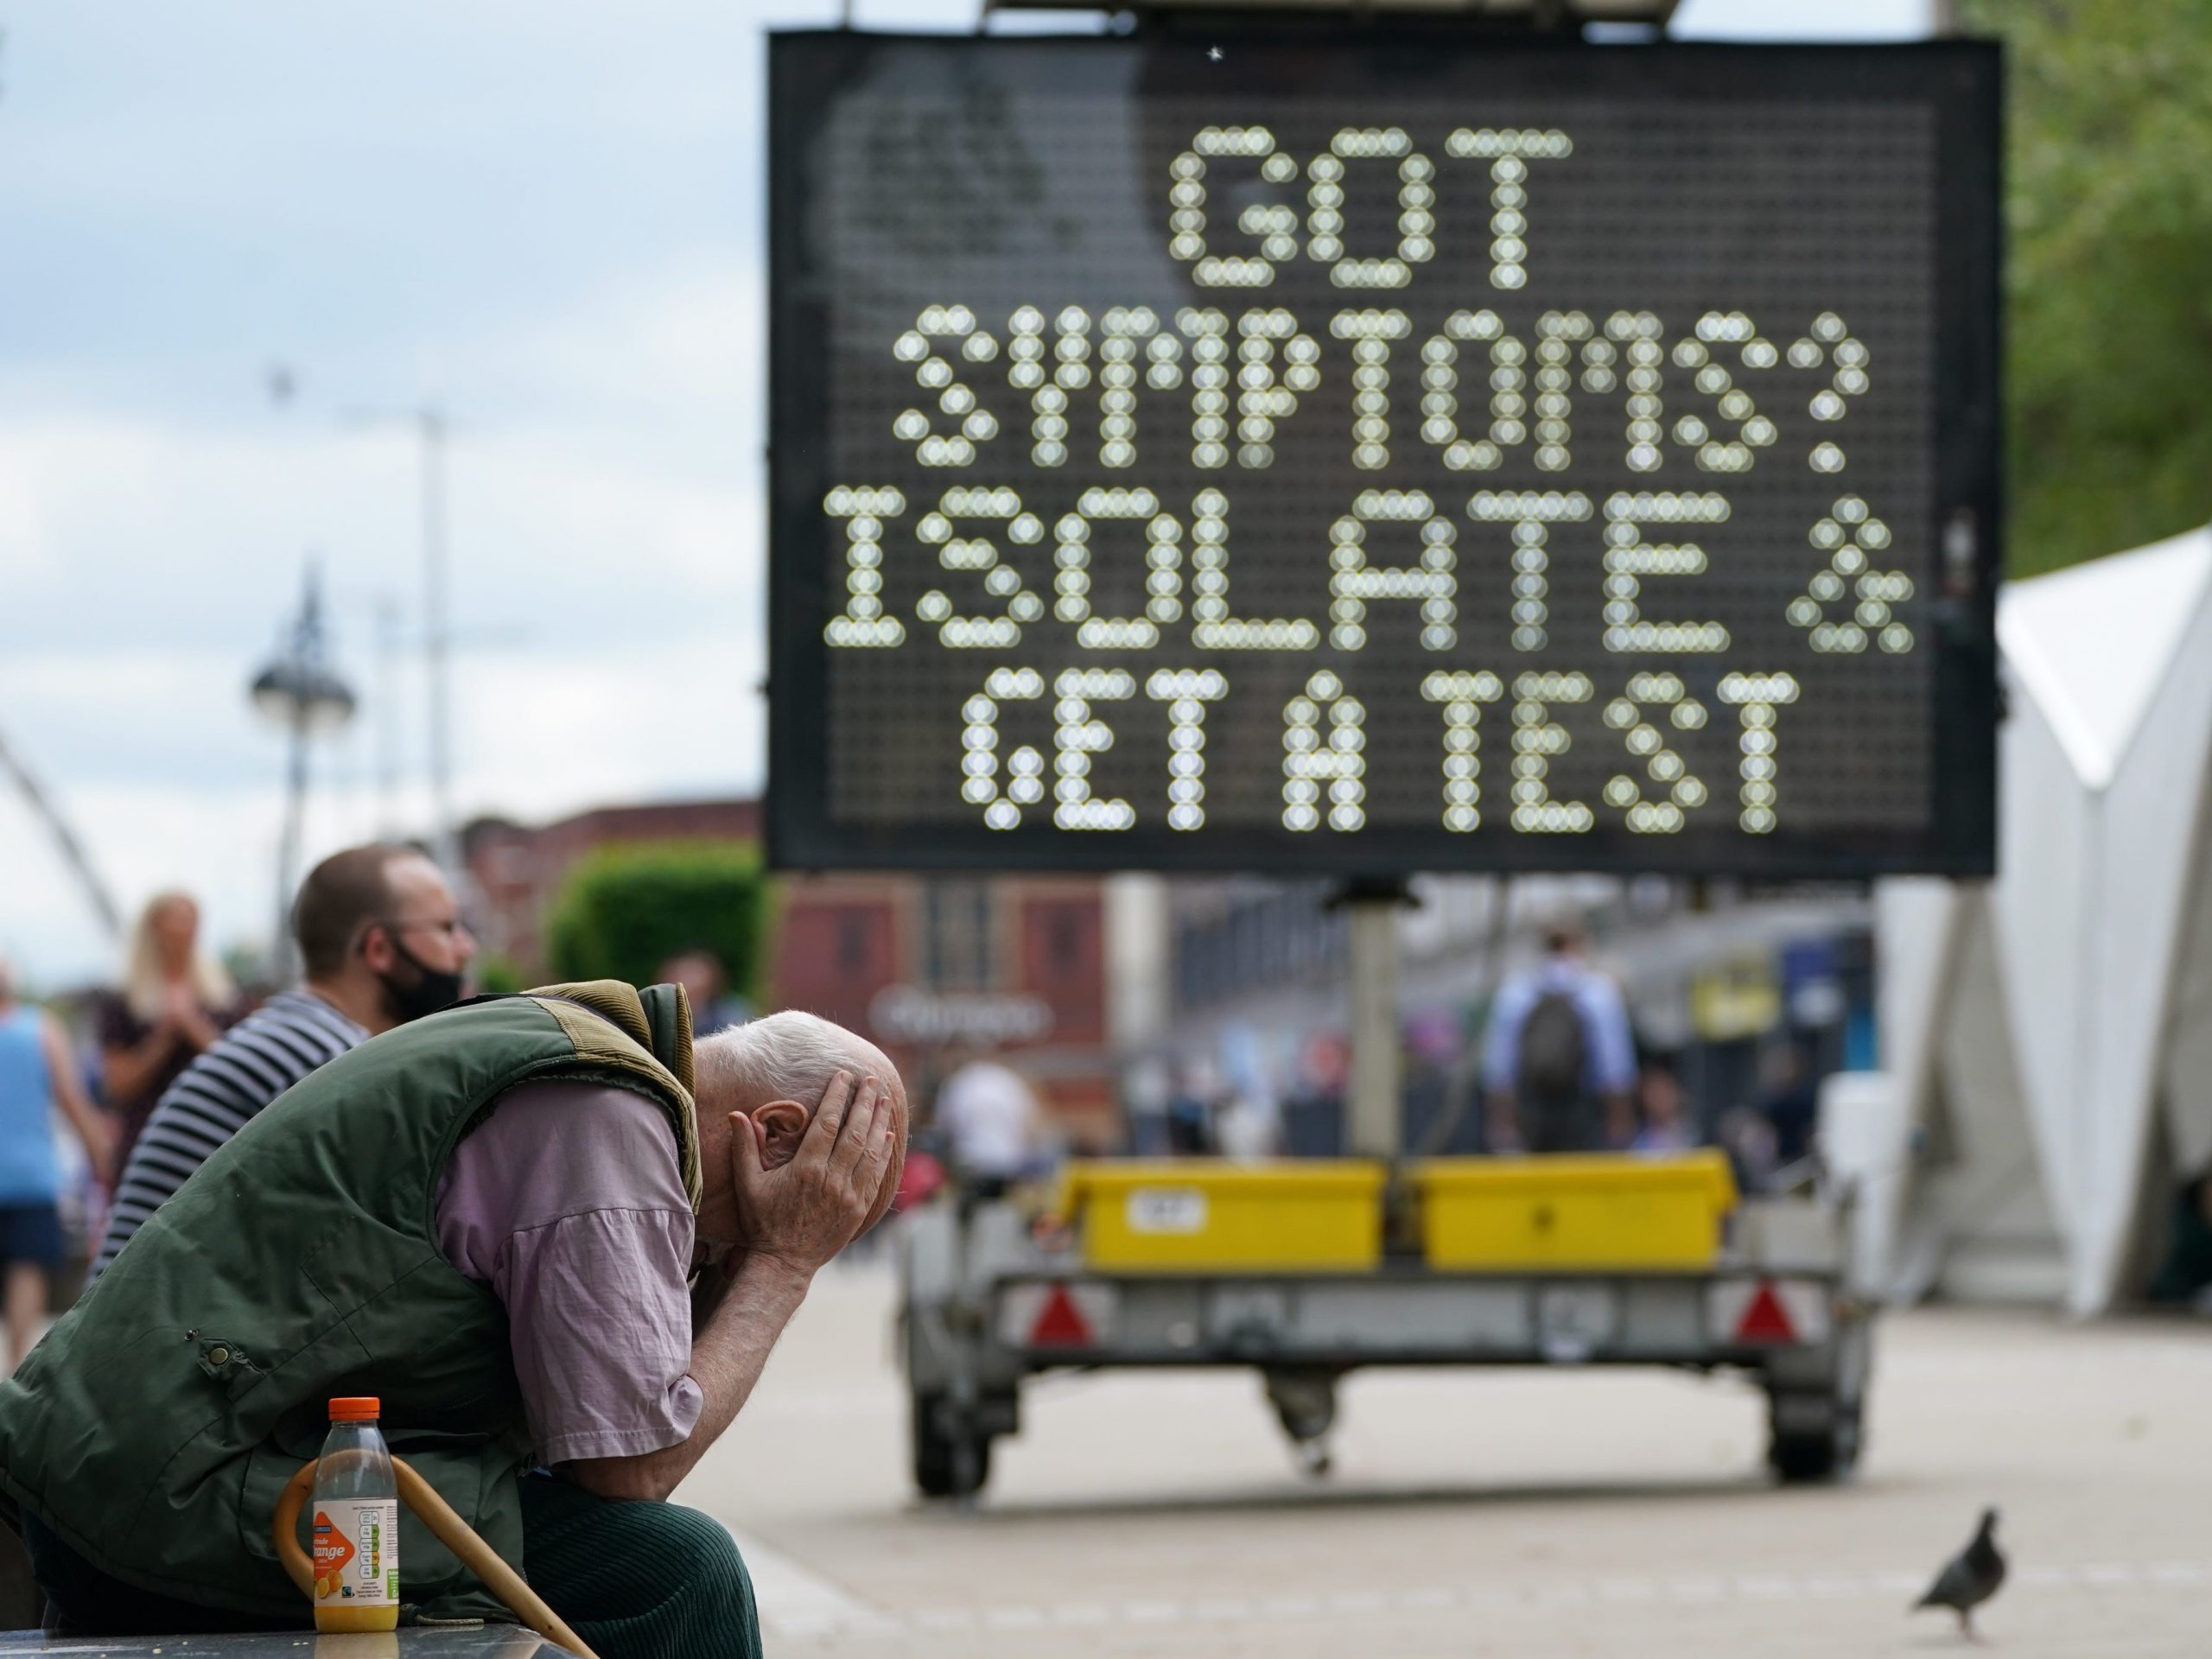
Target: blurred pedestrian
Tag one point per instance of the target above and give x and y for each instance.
(1559, 1060)
(382, 943)
(1190, 1128)
(1792, 1102)
(37, 1072)
(1748, 1139)
(921, 1179)
(1147, 1088)
(2186, 1273)
(715, 1007)
(1249, 1128)
(1663, 1125)
(174, 1002)
(990, 1122)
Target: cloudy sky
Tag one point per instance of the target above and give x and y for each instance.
(549, 219)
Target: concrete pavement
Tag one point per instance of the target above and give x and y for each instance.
(1522, 1513)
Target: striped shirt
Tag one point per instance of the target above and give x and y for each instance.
(257, 1060)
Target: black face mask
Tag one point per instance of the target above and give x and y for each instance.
(434, 988)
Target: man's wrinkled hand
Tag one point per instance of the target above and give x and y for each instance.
(804, 1213)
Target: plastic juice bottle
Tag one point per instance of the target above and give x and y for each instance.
(356, 1520)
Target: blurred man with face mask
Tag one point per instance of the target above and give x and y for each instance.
(381, 942)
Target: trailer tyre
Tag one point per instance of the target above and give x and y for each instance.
(1812, 1437)
(949, 1461)
(1815, 1433)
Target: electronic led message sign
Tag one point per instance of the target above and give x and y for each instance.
(1373, 452)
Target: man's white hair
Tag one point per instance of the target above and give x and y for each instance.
(788, 1055)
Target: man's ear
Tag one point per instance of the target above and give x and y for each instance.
(782, 1126)
(376, 949)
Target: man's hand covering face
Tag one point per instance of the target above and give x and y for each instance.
(805, 1211)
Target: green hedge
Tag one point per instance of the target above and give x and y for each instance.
(496, 975)
(625, 910)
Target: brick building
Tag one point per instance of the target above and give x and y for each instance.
(920, 966)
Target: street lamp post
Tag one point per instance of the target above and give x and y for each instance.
(437, 639)
(300, 692)
(431, 428)
(428, 422)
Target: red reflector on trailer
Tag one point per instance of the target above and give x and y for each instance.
(1060, 1322)
(1766, 1319)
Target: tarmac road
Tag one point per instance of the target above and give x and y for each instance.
(1507, 1512)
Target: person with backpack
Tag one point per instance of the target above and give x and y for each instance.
(1559, 1059)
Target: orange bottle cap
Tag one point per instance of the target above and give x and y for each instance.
(358, 1408)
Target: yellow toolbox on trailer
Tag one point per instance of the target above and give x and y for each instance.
(1173, 1216)
(1574, 1210)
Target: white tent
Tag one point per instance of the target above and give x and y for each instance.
(2049, 1034)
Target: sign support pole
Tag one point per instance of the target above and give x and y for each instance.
(1373, 1106)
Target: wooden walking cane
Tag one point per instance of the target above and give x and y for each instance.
(449, 1528)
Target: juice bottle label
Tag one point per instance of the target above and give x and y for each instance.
(357, 1552)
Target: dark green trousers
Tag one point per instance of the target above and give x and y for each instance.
(634, 1580)
(637, 1580)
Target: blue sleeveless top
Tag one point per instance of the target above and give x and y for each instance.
(31, 1168)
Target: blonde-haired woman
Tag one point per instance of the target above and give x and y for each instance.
(175, 1001)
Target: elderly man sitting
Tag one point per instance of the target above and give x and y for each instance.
(556, 1241)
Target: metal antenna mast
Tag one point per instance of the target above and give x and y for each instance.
(64, 839)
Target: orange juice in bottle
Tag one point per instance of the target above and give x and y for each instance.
(356, 1524)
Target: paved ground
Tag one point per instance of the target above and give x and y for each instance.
(1512, 1513)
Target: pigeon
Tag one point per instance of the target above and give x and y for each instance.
(1970, 1577)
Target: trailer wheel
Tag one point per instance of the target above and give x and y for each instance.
(1815, 1433)
(1812, 1437)
(949, 1461)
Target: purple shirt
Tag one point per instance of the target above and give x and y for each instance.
(568, 1201)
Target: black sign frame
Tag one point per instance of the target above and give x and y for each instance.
(1960, 81)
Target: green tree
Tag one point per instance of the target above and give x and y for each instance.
(2109, 211)
(625, 910)
(495, 974)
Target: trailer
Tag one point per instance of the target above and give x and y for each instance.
(1304, 1272)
